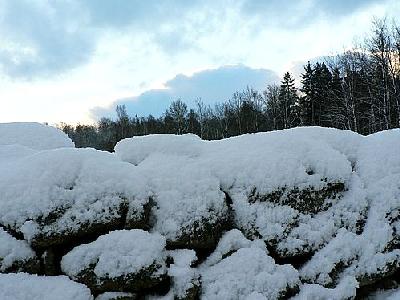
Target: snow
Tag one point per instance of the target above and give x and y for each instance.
(186, 194)
(264, 162)
(138, 148)
(170, 162)
(33, 135)
(247, 271)
(230, 242)
(346, 289)
(114, 296)
(183, 276)
(85, 185)
(369, 253)
(9, 153)
(13, 250)
(23, 286)
(349, 238)
(117, 254)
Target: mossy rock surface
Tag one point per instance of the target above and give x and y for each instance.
(31, 266)
(202, 235)
(305, 200)
(192, 293)
(147, 279)
(50, 236)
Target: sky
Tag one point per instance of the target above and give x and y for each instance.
(74, 61)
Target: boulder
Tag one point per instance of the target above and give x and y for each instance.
(68, 196)
(248, 271)
(121, 261)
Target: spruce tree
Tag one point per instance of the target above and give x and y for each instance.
(287, 100)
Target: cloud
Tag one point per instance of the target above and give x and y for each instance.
(298, 14)
(43, 38)
(212, 86)
(39, 37)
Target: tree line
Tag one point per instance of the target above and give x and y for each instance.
(357, 90)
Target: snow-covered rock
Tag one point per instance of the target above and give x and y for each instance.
(138, 148)
(186, 281)
(33, 135)
(325, 200)
(125, 260)
(190, 209)
(16, 255)
(230, 242)
(23, 286)
(247, 271)
(346, 289)
(56, 196)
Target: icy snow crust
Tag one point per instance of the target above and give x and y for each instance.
(254, 183)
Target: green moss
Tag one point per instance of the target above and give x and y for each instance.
(202, 234)
(142, 281)
(306, 200)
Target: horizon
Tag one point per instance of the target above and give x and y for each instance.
(73, 61)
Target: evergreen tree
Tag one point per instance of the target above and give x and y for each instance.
(306, 101)
(287, 99)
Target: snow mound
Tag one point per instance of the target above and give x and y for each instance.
(117, 254)
(137, 149)
(23, 286)
(33, 135)
(60, 191)
(247, 271)
(9, 153)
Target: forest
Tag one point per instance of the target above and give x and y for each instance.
(356, 90)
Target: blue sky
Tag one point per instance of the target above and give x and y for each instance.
(73, 61)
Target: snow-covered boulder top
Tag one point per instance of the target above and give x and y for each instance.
(23, 286)
(289, 158)
(245, 272)
(33, 135)
(137, 149)
(69, 186)
(117, 254)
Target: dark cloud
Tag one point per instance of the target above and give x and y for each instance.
(212, 86)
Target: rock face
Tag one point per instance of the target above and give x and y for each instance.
(306, 213)
(126, 261)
